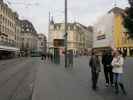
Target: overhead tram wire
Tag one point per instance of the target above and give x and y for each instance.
(22, 3)
(120, 2)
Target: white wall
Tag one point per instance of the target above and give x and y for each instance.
(106, 26)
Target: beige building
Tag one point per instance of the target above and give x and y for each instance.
(15, 34)
(79, 36)
(42, 43)
(9, 29)
(29, 37)
(18, 32)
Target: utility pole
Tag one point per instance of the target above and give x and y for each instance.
(66, 58)
(49, 42)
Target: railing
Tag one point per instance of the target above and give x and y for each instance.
(5, 43)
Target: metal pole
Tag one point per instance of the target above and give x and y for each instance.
(66, 60)
(49, 42)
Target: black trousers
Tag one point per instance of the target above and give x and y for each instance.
(95, 76)
(108, 74)
(42, 57)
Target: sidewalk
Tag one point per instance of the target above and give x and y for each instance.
(54, 82)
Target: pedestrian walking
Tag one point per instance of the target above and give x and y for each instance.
(118, 63)
(42, 56)
(70, 58)
(95, 69)
(106, 61)
(51, 57)
(45, 56)
(48, 57)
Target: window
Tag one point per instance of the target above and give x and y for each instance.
(55, 27)
(2, 38)
(0, 28)
(71, 27)
(27, 30)
(41, 43)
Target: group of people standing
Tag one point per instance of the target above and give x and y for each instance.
(113, 63)
(47, 57)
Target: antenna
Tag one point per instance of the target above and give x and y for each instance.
(49, 17)
(49, 22)
(52, 18)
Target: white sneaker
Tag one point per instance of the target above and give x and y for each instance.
(112, 85)
(107, 84)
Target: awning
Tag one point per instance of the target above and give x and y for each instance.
(6, 48)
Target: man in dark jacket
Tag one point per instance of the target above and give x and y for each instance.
(106, 61)
(95, 69)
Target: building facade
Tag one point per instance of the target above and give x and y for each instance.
(29, 37)
(9, 30)
(109, 32)
(18, 32)
(79, 36)
(42, 44)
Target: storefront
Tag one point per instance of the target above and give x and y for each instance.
(8, 52)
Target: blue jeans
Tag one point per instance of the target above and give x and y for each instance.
(118, 82)
(117, 78)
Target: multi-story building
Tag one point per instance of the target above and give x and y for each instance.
(79, 36)
(109, 32)
(42, 43)
(18, 32)
(29, 37)
(9, 30)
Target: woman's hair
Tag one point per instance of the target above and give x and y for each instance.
(121, 53)
(92, 53)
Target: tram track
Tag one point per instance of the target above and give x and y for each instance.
(4, 62)
(11, 97)
(14, 74)
(26, 88)
(16, 78)
(11, 64)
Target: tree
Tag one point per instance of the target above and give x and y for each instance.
(128, 19)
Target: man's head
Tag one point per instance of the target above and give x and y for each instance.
(93, 51)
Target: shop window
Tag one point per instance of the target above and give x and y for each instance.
(41, 43)
(2, 38)
(59, 27)
(71, 27)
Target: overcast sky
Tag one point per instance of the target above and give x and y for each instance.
(83, 11)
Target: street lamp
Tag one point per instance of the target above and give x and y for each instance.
(66, 59)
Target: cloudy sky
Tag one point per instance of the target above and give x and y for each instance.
(83, 11)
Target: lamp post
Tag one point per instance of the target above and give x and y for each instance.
(66, 58)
